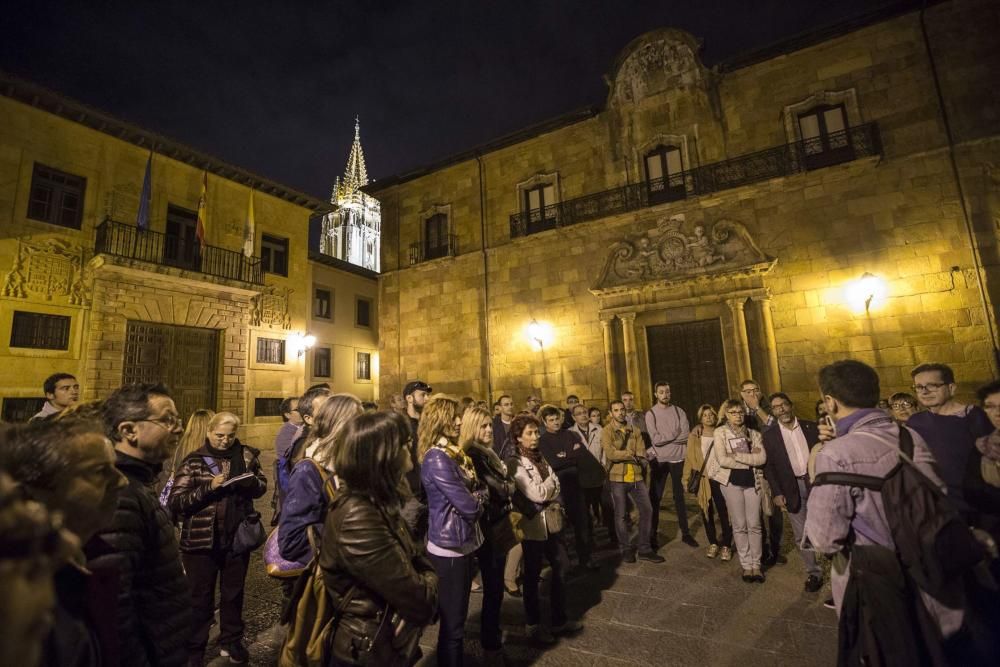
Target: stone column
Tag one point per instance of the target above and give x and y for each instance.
(770, 346)
(742, 343)
(631, 355)
(609, 359)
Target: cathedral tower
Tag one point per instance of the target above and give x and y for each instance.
(352, 230)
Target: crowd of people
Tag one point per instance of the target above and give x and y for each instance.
(124, 528)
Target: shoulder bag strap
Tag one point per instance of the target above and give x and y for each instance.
(849, 479)
(213, 466)
(707, 454)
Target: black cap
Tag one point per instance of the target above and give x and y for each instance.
(414, 386)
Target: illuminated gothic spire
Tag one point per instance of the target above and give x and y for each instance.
(355, 175)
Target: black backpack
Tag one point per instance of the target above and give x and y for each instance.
(933, 543)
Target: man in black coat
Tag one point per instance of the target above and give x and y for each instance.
(154, 600)
(787, 445)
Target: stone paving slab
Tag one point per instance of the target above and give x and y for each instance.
(689, 610)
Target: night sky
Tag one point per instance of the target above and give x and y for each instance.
(274, 86)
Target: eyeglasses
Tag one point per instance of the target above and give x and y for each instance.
(734, 413)
(168, 422)
(902, 405)
(930, 386)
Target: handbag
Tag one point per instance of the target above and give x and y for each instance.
(312, 621)
(553, 517)
(250, 533)
(274, 564)
(501, 534)
(694, 481)
(764, 488)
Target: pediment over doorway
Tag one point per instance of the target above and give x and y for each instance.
(669, 253)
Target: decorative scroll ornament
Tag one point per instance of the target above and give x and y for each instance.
(270, 308)
(48, 268)
(666, 60)
(666, 254)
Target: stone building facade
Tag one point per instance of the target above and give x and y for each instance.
(834, 196)
(83, 290)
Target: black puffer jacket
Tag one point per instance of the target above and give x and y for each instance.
(371, 549)
(196, 504)
(154, 601)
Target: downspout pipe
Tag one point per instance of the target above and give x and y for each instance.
(486, 279)
(966, 217)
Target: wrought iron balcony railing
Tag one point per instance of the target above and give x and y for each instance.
(836, 148)
(121, 240)
(426, 252)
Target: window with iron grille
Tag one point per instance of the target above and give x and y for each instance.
(19, 410)
(56, 197)
(321, 362)
(267, 407)
(364, 366)
(274, 254)
(270, 351)
(40, 331)
(322, 304)
(436, 236)
(363, 316)
(664, 170)
(825, 138)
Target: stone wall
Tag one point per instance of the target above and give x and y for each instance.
(898, 216)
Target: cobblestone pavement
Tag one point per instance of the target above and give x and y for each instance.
(689, 610)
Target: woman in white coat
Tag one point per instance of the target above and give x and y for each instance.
(537, 490)
(735, 460)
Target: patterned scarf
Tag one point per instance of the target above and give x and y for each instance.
(458, 455)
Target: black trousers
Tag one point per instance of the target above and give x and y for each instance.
(657, 486)
(203, 570)
(454, 582)
(553, 551)
(599, 505)
(774, 526)
(491, 566)
(576, 512)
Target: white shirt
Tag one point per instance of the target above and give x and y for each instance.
(797, 448)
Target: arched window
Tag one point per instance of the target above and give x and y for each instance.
(664, 174)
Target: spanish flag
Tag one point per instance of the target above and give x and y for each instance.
(202, 210)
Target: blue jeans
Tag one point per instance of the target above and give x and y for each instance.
(620, 491)
(454, 584)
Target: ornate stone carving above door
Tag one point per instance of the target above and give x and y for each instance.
(48, 268)
(270, 308)
(669, 253)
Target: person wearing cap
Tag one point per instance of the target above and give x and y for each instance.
(415, 395)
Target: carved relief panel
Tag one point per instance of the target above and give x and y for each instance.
(270, 308)
(47, 269)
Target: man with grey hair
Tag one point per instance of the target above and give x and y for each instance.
(154, 600)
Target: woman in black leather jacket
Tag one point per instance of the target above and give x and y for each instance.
(211, 512)
(476, 438)
(372, 570)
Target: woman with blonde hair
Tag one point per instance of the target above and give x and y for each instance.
(213, 493)
(710, 500)
(194, 437)
(455, 501)
(305, 501)
(476, 438)
(735, 461)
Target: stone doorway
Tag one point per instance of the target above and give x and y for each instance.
(690, 357)
(185, 359)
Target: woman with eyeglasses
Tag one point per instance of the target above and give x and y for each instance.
(735, 464)
(213, 492)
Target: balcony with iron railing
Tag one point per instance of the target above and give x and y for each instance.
(129, 242)
(425, 252)
(798, 157)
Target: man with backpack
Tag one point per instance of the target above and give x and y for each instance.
(901, 550)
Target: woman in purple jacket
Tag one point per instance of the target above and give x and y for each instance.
(455, 499)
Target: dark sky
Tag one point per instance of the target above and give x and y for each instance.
(274, 86)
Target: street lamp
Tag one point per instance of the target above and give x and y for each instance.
(301, 342)
(862, 292)
(539, 332)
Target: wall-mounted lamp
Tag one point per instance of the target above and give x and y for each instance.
(539, 333)
(862, 292)
(301, 342)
